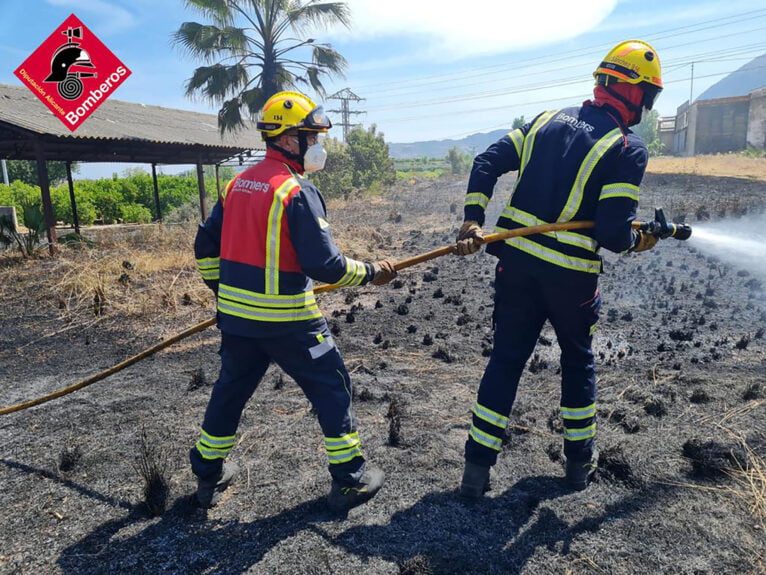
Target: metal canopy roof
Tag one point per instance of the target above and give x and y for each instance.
(116, 132)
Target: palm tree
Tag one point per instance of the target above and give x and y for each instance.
(266, 54)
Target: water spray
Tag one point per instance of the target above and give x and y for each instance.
(740, 242)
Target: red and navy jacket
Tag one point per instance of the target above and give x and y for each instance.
(265, 238)
(578, 163)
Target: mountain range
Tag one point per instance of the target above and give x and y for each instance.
(472, 144)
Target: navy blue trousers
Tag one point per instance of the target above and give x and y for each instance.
(311, 358)
(527, 293)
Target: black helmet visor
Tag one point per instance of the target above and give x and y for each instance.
(316, 121)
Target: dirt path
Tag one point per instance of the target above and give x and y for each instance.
(718, 165)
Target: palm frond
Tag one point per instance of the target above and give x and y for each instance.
(209, 42)
(313, 73)
(216, 82)
(230, 116)
(253, 100)
(284, 78)
(217, 10)
(328, 59)
(319, 15)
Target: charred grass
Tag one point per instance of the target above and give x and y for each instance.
(99, 481)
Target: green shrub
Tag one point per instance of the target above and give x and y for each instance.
(135, 214)
(33, 220)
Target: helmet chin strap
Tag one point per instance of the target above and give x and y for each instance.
(290, 155)
(636, 109)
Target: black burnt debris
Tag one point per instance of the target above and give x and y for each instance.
(679, 357)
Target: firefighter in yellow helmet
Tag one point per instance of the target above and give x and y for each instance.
(577, 163)
(264, 240)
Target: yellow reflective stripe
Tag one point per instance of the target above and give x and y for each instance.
(485, 439)
(578, 412)
(563, 236)
(226, 189)
(517, 137)
(554, 257)
(621, 190)
(586, 169)
(208, 262)
(348, 440)
(213, 441)
(209, 268)
(476, 199)
(490, 416)
(355, 273)
(577, 240)
(210, 274)
(211, 453)
(273, 235)
(305, 299)
(265, 314)
(580, 433)
(592, 329)
(529, 141)
(336, 457)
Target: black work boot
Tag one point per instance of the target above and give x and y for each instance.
(578, 472)
(475, 481)
(344, 497)
(209, 490)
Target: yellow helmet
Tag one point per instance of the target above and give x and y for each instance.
(635, 62)
(287, 110)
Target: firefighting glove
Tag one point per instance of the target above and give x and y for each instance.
(643, 242)
(383, 272)
(469, 238)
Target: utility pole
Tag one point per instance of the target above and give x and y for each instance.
(345, 96)
(691, 86)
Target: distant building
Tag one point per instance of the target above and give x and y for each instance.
(727, 117)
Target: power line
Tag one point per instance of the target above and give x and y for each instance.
(716, 23)
(685, 60)
(569, 98)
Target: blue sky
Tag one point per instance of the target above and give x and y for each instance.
(425, 69)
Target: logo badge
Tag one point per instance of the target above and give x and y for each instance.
(72, 72)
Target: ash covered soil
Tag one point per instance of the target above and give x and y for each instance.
(682, 388)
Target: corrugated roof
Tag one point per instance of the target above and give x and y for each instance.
(117, 120)
(740, 82)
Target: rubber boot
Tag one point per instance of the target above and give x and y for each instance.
(578, 473)
(475, 482)
(344, 497)
(209, 490)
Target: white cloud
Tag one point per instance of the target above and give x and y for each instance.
(487, 27)
(112, 18)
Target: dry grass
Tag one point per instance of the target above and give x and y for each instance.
(748, 484)
(719, 165)
(130, 272)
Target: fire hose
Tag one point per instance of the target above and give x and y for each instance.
(659, 227)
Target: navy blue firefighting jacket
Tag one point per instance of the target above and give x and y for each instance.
(578, 163)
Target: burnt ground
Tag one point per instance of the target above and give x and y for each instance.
(682, 389)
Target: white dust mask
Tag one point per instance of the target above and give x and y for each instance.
(314, 158)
